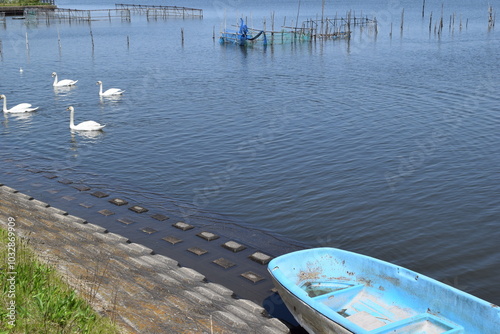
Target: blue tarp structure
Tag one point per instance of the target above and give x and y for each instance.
(241, 36)
(243, 32)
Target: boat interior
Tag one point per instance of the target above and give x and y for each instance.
(365, 306)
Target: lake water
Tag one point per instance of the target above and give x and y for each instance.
(387, 145)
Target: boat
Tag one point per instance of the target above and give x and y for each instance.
(329, 290)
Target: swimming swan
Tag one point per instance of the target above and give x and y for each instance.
(20, 108)
(109, 92)
(84, 126)
(62, 83)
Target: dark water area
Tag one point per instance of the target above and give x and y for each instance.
(387, 145)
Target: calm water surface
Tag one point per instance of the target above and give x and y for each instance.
(387, 145)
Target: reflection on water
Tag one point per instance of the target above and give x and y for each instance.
(110, 99)
(64, 90)
(93, 135)
(25, 120)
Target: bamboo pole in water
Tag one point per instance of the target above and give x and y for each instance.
(491, 17)
(297, 20)
(272, 28)
(92, 39)
(441, 23)
(402, 19)
(59, 40)
(322, 15)
(349, 22)
(430, 23)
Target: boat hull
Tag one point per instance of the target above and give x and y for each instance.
(306, 316)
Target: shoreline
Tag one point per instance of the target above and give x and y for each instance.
(130, 276)
(194, 238)
(19, 10)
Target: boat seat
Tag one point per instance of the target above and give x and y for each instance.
(336, 299)
(366, 320)
(376, 318)
(421, 323)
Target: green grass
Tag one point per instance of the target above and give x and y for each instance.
(43, 302)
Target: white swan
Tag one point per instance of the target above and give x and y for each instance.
(20, 108)
(84, 126)
(109, 92)
(62, 83)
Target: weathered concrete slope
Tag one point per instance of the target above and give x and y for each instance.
(144, 292)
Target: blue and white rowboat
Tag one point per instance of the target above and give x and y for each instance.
(334, 291)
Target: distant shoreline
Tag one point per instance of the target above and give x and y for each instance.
(19, 10)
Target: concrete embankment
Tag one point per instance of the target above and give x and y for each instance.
(143, 291)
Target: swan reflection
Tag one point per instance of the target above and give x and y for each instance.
(112, 99)
(79, 139)
(21, 117)
(85, 135)
(63, 89)
(24, 118)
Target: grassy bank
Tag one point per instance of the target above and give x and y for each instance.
(35, 299)
(22, 3)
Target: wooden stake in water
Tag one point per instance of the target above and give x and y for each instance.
(491, 17)
(430, 23)
(423, 9)
(272, 28)
(128, 42)
(297, 20)
(182, 35)
(349, 22)
(441, 23)
(59, 40)
(92, 39)
(322, 16)
(402, 19)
